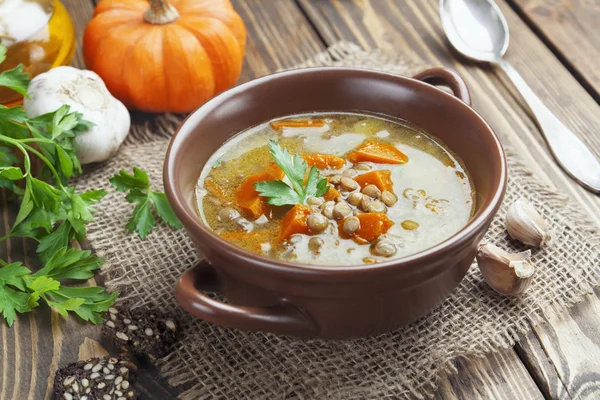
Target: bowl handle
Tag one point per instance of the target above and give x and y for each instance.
(284, 317)
(446, 77)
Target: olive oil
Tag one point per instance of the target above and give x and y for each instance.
(36, 33)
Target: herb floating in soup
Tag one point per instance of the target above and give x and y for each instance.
(334, 189)
(304, 183)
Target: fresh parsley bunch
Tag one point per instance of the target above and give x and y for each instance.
(52, 212)
(279, 193)
(21, 289)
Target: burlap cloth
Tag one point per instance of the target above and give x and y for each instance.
(212, 362)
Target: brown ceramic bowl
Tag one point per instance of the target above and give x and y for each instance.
(330, 301)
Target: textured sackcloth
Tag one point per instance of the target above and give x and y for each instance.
(217, 363)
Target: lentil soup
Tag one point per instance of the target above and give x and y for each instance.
(380, 189)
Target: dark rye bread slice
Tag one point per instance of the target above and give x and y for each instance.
(108, 378)
(143, 331)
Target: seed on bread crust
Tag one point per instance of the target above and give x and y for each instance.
(78, 381)
(143, 331)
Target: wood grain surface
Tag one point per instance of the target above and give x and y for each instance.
(557, 360)
(570, 29)
(500, 376)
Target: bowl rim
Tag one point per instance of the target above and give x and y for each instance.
(194, 226)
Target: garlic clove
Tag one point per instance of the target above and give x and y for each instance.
(507, 273)
(525, 224)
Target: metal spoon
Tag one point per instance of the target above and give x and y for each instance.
(478, 30)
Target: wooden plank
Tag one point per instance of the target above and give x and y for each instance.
(81, 12)
(500, 376)
(570, 28)
(279, 36)
(42, 341)
(564, 355)
(412, 28)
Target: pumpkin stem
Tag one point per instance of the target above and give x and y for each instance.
(160, 13)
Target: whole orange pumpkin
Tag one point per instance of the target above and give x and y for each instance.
(159, 56)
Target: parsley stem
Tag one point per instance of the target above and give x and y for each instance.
(18, 145)
(3, 238)
(37, 140)
(48, 163)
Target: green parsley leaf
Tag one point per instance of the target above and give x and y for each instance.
(278, 193)
(66, 163)
(25, 209)
(11, 274)
(63, 123)
(142, 220)
(315, 186)
(124, 181)
(294, 168)
(75, 211)
(37, 219)
(11, 173)
(71, 264)
(15, 79)
(93, 196)
(13, 300)
(7, 157)
(51, 243)
(89, 303)
(164, 210)
(11, 122)
(38, 287)
(44, 195)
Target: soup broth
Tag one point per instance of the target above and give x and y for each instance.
(393, 190)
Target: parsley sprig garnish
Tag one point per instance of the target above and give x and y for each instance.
(142, 221)
(51, 211)
(279, 193)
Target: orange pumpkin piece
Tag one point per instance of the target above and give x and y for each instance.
(324, 161)
(331, 193)
(274, 171)
(248, 199)
(295, 123)
(372, 225)
(295, 222)
(376, 152)
(166, 56)
(381, 178)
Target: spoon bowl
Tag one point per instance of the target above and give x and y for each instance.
(477, 29)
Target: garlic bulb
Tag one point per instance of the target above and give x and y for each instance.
(508, 274)
(525, 224)
(85, 92)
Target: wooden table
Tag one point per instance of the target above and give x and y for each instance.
(556, 47)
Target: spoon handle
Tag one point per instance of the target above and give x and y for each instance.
(570, 152)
